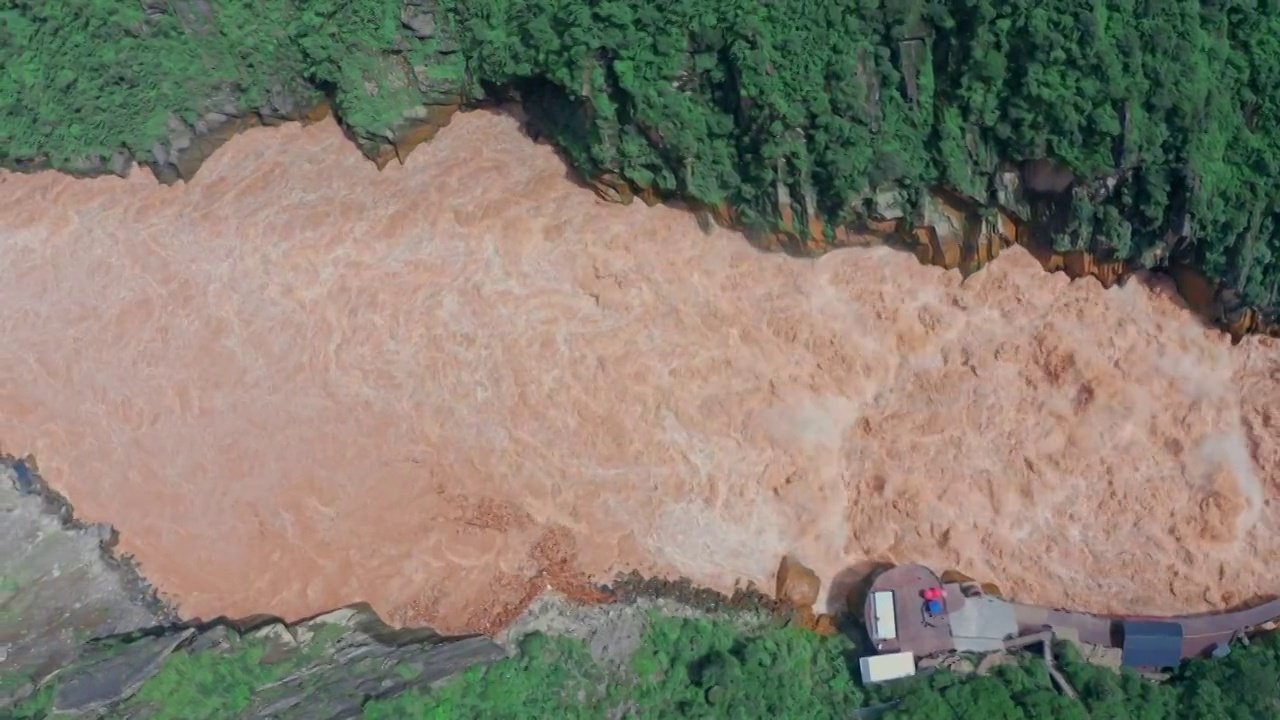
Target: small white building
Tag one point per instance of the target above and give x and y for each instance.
(883, 668)
(886, 617)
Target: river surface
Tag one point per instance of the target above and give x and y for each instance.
(297, 382)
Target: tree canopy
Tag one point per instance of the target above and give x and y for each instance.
(1162, 115)
(715, 669)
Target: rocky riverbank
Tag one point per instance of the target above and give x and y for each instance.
(377, 388)
(655, 646)
(83, 635)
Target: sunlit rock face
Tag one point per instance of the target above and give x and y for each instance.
(297, 382)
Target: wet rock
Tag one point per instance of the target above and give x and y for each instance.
(187, 146)
(121, 163)
(826, 626)
(958, 232)
(610, 187)
(408, 135)
(940, 232)
(797, 584)
(1079, 264)
(98, 682)
(806, 618)
(632, 586)
(888, 204)
(59, 585)
(291, 104)
(23, 478)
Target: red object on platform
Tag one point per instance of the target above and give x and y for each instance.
(933, 593)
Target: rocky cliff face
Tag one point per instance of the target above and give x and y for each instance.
(955, 231)
(404, 93)
(82, 635)
(396, 92)
(328, 667)
(59, 583)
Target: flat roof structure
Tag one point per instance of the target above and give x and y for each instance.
(913, 629)
(883, 668)
(885, 615)
(1151, 644)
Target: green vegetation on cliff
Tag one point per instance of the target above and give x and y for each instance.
(1145, 129)
(706, 669)
(1163, 112)
(672, 668)
(82, 80)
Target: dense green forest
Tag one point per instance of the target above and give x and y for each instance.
(704, 669)
(1160, 119)
(724, 668)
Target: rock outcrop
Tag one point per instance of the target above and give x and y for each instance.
(59, 583)
(82, 634)
(327, 667)
(961, 233)
(84, 637)
(406, 93)
(957, 232)
(797, 585)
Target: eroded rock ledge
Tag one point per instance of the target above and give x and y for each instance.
(326, 667)
(953, 231)
(139, 662)
(60, 582)
(82, 633)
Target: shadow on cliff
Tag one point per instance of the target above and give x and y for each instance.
(846, 596)
(537, 127)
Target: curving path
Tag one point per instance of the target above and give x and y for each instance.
(1200, 632)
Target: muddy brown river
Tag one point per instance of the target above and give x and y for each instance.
(298, 382)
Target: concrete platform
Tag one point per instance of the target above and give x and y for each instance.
(917, 633)
(982, 624)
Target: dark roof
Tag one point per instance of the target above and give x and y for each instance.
(1151, 644)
